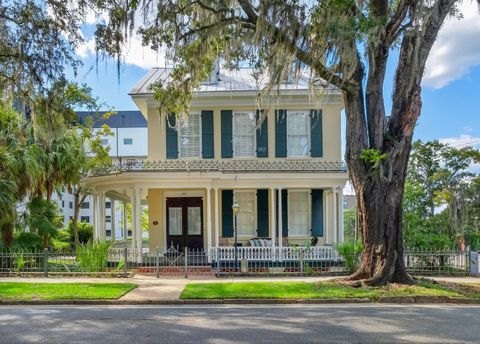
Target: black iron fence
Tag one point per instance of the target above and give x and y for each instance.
(217, 262)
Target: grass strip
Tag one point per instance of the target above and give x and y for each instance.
(26, 291)
(309, 290)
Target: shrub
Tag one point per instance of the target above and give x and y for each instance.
(26, 241)
(350, 251)
(85, 232)
(93, 256)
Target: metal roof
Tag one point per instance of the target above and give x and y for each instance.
(228, 80)
(119, 119)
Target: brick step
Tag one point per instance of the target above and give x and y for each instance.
(177, 270)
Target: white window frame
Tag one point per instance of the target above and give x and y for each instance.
(255, 216)
(254, 153)
(309, 130)
(200, 141)
(309, 214)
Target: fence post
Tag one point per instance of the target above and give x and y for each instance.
(301, 260)
(217, 257)
(125, 260)
(157, 262)
(45, 262)
(185, 250)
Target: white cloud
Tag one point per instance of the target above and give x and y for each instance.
(461, 141)
(133, 52)
(457, 48)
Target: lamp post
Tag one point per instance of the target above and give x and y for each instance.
(236, 210)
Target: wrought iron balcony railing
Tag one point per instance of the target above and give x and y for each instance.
(224, 166)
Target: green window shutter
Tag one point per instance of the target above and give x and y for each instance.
(262, 137)
(262, 213)
(207, 134)
(226, 124)
(227, 213)
(316, 134)
(284, 213)
(172, 137)
(280, 133)
(317, 212)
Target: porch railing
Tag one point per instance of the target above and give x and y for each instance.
(314, 253)
(223, 166)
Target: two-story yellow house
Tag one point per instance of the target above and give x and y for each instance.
(281, 164)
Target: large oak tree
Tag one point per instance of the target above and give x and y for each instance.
(346, 43)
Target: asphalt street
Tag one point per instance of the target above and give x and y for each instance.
(241, 324)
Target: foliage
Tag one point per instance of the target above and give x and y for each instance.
(43, 219)
(63, 240)
(372, 157)
(441, 198)
(85, 232)
(26, 241)
(38, 43)
(93, 256)
(349, 224)
(350, 251)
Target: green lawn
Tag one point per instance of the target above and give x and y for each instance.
(63, 291)
(306, 290)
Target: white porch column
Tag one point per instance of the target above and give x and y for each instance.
(272, 216)
(102, 222)
(96, 225)
(138, 222)
(113, 220)
(341, 236)
(209, 222)
(132, 217)
(125, 223)
(217, 221)
(280, 224)
(334, 190)
(327, 218)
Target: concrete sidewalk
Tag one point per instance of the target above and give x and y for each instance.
(167, 289)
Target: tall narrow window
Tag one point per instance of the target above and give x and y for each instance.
(298, 140)
(246, 218)
(298, 213)
(189, 138)
(244, 124)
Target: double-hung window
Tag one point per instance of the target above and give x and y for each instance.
(298, 213)
(189, 136)
(244, 124)
(298, 138)
(246, 218)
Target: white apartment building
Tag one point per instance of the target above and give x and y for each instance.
(127, 144)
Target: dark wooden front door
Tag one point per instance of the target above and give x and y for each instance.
(185, 222)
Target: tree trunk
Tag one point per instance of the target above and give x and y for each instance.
(6, 231)
(380, 209)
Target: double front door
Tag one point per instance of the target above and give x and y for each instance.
(185, 222)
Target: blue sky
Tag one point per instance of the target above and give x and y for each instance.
(451, 89)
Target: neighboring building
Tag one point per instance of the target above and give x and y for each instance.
(128, 144)
(286, 175)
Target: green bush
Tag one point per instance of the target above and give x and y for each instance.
(85, 232)
(26, 241)
(93, 256)
(351, 252)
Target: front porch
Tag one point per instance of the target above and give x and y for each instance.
(191, 206)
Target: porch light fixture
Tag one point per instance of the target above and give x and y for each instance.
(235, 210)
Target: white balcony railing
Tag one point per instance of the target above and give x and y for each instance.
(223, 166)
(294, 253)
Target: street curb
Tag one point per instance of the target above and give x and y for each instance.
(384, 300)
